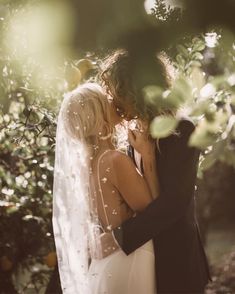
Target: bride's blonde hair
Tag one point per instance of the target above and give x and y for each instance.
(86, 113)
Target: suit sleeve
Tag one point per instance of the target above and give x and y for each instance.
(174, 199)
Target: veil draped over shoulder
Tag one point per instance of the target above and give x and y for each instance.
(75, 221)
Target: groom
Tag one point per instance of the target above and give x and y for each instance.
(170, 221)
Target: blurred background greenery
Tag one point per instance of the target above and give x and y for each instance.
(49, 47)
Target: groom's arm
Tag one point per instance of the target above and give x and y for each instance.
(174, 199)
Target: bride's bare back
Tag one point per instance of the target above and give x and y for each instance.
(119, 189)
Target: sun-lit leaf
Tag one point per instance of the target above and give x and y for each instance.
(181, 49)
(199, 108)
(197, 56)
(163, 126)
(201, 139)
(152, 94)
(199, 45)
(198, 78)
(180, 92)
(208, 162)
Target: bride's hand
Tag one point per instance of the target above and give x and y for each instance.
(142, 142)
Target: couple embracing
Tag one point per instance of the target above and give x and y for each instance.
(124, 223)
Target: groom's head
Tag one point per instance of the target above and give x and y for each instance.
(124, 78)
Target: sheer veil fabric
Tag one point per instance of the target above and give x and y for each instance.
(75, 221)
(75, 218)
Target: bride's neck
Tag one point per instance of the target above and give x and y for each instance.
(104, 144)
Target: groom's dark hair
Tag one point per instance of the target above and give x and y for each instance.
(119, 78)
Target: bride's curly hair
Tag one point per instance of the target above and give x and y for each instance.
(118, 79)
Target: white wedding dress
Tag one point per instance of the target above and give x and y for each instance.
(119, 273)
(122, 274)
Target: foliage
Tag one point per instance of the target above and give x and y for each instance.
(31, 89)
(208, 99)
(223, 280)
(165, 13)
(26, 166)
(27, 141)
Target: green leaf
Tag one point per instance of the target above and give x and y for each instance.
(195, 63)
(197, 56)
(181, 49)
(208, 161)
(155, 97)
(198, 78)
(152, 94)
(217, 81)
(163, 126)
(233, 100)
(195, 40)
(199, 108)
(199, 46)
(206, 133)
(201, 140)
(180, 93)
(180, 60)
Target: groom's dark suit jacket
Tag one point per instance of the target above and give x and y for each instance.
(181, 264)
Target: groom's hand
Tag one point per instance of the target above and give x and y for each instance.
(108, 246)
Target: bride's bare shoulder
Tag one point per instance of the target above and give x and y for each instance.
(120, 161)
(116, 155)
(116, 159)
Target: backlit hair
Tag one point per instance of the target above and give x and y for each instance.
(118, 81)
(86, 112)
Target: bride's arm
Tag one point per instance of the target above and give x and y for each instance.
(132, 186)
(138, 191)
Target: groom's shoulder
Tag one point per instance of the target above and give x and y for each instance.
(185, 127)
(180, 137)
(182, 132)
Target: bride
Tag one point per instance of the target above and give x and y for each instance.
(96, 188)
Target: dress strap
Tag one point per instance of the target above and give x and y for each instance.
(100, 188)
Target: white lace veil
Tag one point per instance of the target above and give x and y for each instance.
(75, 221)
